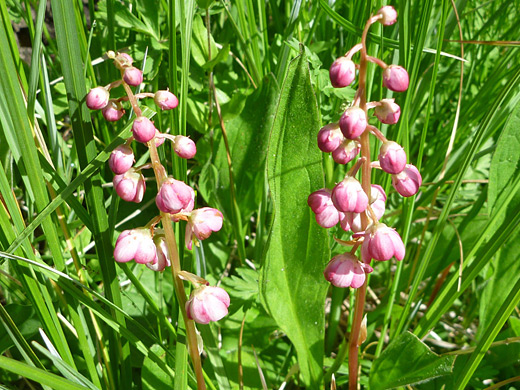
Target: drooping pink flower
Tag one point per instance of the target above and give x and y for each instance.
(201, 223)
(342, 72)
(135, 244)
(184, 147)
(175, 196)
(377, 203)
(382, 243)
(353, 122)
(408, 181)
(346, 270)
(348, 196)
(321, 204)
(163, 259)
(113, 111)
(392, 157)
(389, 15)
(143, 129)
(133, 76)
(346, 151)
(207, 304)
(166, 100)
(395, 78)
(130, 186)
(121, 159)
(329, 137)
(97, 98)
(388, 112)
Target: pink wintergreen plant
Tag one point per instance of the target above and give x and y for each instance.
(133, 76)
(382, 243)
(97, 98)
(392, 157)
(388, 111)
(143, 129)
(353, 122)
(408, 181)
(121, 159)
(135, 244)
(163, 259)
(395, 78)
(184, 147)
(342, 72)
(113, 111)
(348, 196)
(346, 270)
(207, 304)
(320, 203)
(389, 15)
(166, 100)
(201, 223)
(329, 137)
(346, 151)
(175, 196)
(130, 186)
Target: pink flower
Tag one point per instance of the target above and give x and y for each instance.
(133, 76)
(388, 112)
(346, 271)
(348, 196)
(377, 203)
(163, 259)
(329, 137)
(201, 223)
(143, 129)
(130, 186)
(408, 181)
(123, 60)
(121, 159)
(113, 111)
(346, 151)
(184, 147)
(166, 100)
(342, 72)
(392, 157)
(207, 304)
(320, 203)
(136, 244)
(382, 243)
(395, 78)
(97, 98)
(175, 196)
(389, 15)
(353, 122)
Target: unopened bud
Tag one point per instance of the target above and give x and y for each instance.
(130, 186)
(353, 122)
(184, 147)
(113, 111)
(388, 112)
(348, 196)
(395, 78)
(346, 151)
(143, 129)
(97, 98)
(389, 15)
(329, 137)
(133, 76)
(342, 72)
(408, 181)
(392, 157)
(166, 100)
(121, 159)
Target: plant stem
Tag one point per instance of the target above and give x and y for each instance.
(353, 346)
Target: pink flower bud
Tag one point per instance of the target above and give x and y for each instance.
(320, 203)
(201, 223)
(388, 112)
(329, 137)
(184, 147)
(395, 78)
(389, 15)
(408, 181)
(345, 271)
(342, 72)
(121, 159)
(130, 186)
(348, 196)
(207, 304)
(133, 76)
(97, 98)
(136, 244)
(166, 100)
(113, 111)
(353, 122)
(163, 259)
(377, 203)
(143, 129)
(175, 196)
(123, 60)
(382, 243)
(346, 151)
(392, 157)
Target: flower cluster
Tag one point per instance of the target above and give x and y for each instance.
(175, 199)
(347, 203)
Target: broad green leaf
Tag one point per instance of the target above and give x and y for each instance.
(199, 43)
(292, 285)
(505, 163)
(406, 361)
